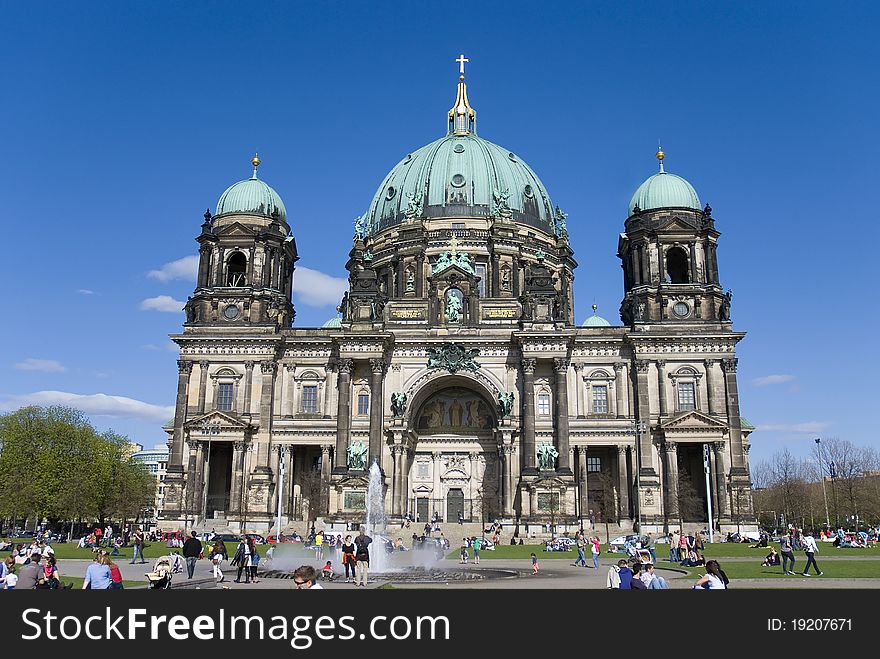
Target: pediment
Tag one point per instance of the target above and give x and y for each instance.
(692, 420)
(222, 420)
(455, 474)
(453, 269)
(236, 229)
(677, 224)
(355, 481)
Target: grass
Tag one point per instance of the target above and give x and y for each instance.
(831, 570)
(72, 550)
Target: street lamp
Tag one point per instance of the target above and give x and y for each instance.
(822, 476)
(281, 453)
(637, 428)
(834, 492)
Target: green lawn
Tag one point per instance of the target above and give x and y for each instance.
(72, 550)
(831, 570)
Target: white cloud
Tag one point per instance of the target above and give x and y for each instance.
(772, 379)
(94, 405)
(85, 291)
(162, 303)
(168, 346)
(807, 427)
(317, 289)
(44, 365)
(185, 268)
(102, 374)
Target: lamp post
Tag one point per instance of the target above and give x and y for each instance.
(822, 476)
(281, 453)
(637, 428)
(833, 474)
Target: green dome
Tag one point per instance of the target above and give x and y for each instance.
(253, 197)
(664, 190)
(596, 321)
(458, 176)
(336, 321)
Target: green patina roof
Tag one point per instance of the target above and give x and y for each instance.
(664, 190)
(456, 176)
(251, 196)
(745, 423)
(336, 321)
(596, 321)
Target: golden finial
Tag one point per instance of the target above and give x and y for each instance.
(595, 306)
(255, 161)
(660, 155)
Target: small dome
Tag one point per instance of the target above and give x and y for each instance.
(664, 190)
(253, 197)
(596, 321)
(334, 322)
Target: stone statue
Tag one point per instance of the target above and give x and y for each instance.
(527, 301)
(443, 262)
(377, 306)
(453, 307)
(357, 456)
(559, 221)
(724, 311)
(505, 279)
(368, 255)
(410, 281)
(453, 357)
(547, 455)
(343, 307)
(463, 261)
(414, 206)
(500, 207)
(360, 227)
(505, 403)
(540, 256)
(398, 404)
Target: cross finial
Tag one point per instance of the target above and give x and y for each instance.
(461, 60)
(454, 244)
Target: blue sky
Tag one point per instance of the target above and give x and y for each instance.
(121, 122)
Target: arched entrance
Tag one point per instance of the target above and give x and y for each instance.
(454, 470)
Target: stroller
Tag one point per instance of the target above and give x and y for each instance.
(163, 569)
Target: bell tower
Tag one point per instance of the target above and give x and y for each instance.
(668, 255)
(246, 260)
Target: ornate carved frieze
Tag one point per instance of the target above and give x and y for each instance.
(453, 357)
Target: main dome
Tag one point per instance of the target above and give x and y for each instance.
(461, 175)
(253, 197)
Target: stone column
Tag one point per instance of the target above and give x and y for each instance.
(737, 466)
(377, 410)
(712, 385)
(533, 501)
(643, 407)
(507, 456)
(343, 413)
(420, 276)
(248, 386)
(395, 480)
(720, 481)
(495, 290)
(328, 388)
(670, 453)
(237, 477)
(268, 369)
(325, 463)
(528, 414)
(560, 365)
(287, 390)
(200, 477)
(403, 484)
(620, 384)
(623, 482)
(693, 251)
(203, 384)
(191, 490)
(579, 383)
(288, 481)
(584, 498)
(175, 462)
(661, 385)
(436, 493)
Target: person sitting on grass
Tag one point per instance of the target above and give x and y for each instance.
(772, 558)
(692, 560)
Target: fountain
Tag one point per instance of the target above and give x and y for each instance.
(376, 521)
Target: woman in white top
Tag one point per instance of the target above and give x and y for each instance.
(714, 579)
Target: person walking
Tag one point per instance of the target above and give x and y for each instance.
(534, 564)
(463, 554)
(319, 546)
(682, 547)
(674, 540)
(594, 548)
(787, 553)
(242, 559)
(348, 559)
(192, 549)
(138, 547)
(476, 544)
(255, 560)
(810, 548)
(698, 546)
(581, 543)
(217, 556)
(362, 557)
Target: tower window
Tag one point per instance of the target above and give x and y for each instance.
(480, 269)
(363, 404)
(687, 399)
(544, 404)
(236, 269)
(594, 465)
(677, 267)
(600, 399)
(224, 396)
(310, 399)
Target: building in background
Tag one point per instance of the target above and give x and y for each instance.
(156, 462)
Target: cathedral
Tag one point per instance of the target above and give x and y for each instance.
(456, 364)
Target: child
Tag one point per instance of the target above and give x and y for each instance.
(463, 555)
(327, 571)
(534, 564)
(11, 578)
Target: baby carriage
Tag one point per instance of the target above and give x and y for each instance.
(163, 569)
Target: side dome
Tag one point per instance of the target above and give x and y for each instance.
(461, 175)
(664, 190)
(335, 322)
(253, 197)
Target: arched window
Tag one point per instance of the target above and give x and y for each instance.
(236, 270)
(677, 266)
(225, 389)
(686, 383)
